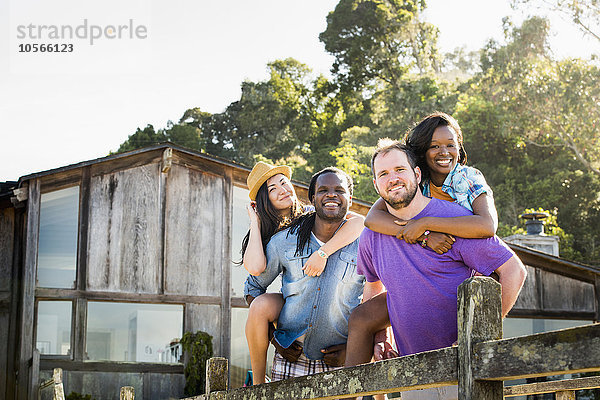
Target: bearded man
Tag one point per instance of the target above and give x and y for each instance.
(410, 286)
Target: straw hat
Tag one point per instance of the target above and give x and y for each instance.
(263, 171)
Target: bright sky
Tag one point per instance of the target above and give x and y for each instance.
(57, 109)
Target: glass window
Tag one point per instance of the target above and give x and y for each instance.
(239, 228)
(54, 327)
(57, 249)
(134, 332)
(240, 357)
(513, 327)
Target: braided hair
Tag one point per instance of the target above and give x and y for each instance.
(304, 224)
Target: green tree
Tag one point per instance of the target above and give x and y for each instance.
(550, 103)
(379, 40)
(197, 348)
(184, 135)
(271, 118)
(461, 62)
(551, 228)
(560, 105)
(142, 138)
(530, 126)
(396, 109)
(353, 155)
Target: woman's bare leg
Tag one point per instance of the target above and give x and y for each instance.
(263, 310)
(365, 321)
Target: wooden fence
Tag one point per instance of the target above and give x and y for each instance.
(58, 391)
(479, 364)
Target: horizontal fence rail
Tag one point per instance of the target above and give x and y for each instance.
(479, 364)
(553, 386)
(566, 351)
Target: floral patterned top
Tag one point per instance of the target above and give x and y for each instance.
(464, 184)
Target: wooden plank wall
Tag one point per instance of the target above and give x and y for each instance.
(548, 294)
(7, 233)
(138, 216)
(529, 298)
(562, 294)
(195, 203)
(27, 299)
(7, 227)
(124, 244)
(207, 318)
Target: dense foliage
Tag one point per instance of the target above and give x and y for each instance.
(197, 349)
(531, 122)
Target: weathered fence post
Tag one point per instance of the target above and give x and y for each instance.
(565, 395)
(479, 319)
(59, 391)
(127, 393)
(216, 374)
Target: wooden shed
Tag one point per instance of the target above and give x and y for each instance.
(106, 263)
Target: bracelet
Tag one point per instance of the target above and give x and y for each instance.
(424, 241)
(322, 254)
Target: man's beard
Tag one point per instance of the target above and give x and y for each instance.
(403, 201)
(337, 217)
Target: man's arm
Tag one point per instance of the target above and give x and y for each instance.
(512, 276)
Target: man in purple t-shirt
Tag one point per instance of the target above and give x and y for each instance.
(421, 284)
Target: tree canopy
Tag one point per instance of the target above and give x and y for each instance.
(530, 121)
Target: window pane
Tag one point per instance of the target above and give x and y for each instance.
(57, 250)
(513, 327)
(134, 332)
(239, 227)
(54, 327)
(240, 357)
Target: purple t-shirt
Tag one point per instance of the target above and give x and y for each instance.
(422, 284)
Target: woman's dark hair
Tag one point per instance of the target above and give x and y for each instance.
(419, 138)
(305, 223)
(271, 220)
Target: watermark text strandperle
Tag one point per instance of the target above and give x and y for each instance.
(83, 31)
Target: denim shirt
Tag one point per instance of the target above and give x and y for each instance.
(464, 184)
(317, 306)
